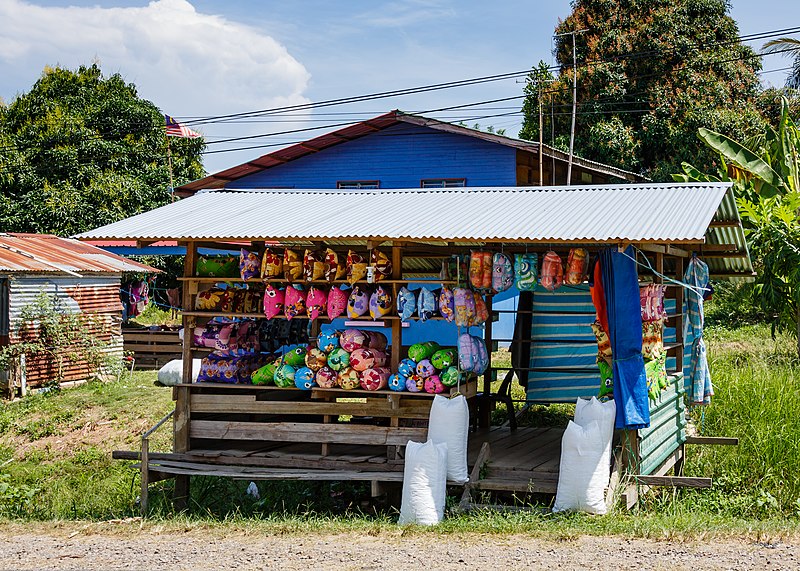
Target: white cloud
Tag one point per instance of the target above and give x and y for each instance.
(407, 13)
(186, 62)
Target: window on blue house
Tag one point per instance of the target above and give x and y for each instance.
(443, 182)
(358, 184)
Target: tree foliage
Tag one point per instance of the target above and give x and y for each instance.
(649, 74)
(81, 150)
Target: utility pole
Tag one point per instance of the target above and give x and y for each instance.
(574, 100)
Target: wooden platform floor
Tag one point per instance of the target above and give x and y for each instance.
(522, 460)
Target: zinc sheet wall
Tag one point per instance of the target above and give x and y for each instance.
(563, 347)
(667, 429)
(94, 295)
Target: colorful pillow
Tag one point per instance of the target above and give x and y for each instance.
(397, 382)
(382, 265)
(217, 336)
(426, 304)
(304, 379)
(483, 355)
(331, 262)
(434, 385)
(552, 271)
(337, 301)
(316, 302)
(249, 264)
(363, 359)
(525, 271)
(450, 376)
(357, 303)
(406, 303)
(481, 311)
(273, 301)
(447, 304)
(328, 340)
(217, 267)
(603, 342)
(425, 369)
(296, 356)
(407, 367)
(651, 298)
(292, 266)
(326, 378)
(271, 265)
(356, 267)
(265, 375)
(377, 340)
(313, 265)
(480, 269)
(420, 351)
(577, 266)
(294, 302)
(444, 358)
(339, 360)
(415, 384)
(465, 306)
(352, 339)
(606, 378)
(472, 354)
(214, 299)
(348, 379)
(502, 273)
(375, 379)
(284, 376)
(316, 359)
(652, 339)
(380, 303)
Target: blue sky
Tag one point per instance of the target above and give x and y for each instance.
(203, 57)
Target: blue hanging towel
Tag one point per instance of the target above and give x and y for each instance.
(697, 276)
(621, 285)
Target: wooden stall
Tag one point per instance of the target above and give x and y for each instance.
(265, 432)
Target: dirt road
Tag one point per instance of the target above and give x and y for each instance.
(174, 551)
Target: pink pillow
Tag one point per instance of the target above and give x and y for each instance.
(316, 302)
(295, 303)
(273, 301)
(337, 301)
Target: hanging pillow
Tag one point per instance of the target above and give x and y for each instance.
(502, 273)
(337, 301)
(356, 267)
(249, 264)
(313, 265)
(465, 306)
(406, 303)
(525, 271)
(331, 264)
(271, 265)
(273, 301)
(552, 271)
(316, 302)
(382, 265)
(380, 303)
(295, 302)
(577, 266)
(426, 304)
(447, 304)
(481, 311)
(357, 303)
(292, 266)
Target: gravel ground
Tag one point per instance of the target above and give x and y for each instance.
(179, 551)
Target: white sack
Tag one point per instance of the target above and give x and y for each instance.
(172, 373)
(449, 423)
(584, 470)
(424, 483)
(604, 413)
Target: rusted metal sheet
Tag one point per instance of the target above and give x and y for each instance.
(47, 253)
(96, 297)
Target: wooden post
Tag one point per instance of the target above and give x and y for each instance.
(679, 319)
(487, 402)
(397, 340)
(145, 477)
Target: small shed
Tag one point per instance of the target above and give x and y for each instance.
(268, 432)
(84, 279)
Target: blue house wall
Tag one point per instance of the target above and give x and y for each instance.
(399, 157)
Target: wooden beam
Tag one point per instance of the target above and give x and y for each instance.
(674, 481)
(725, 224)
(713, 440)
(720, 247)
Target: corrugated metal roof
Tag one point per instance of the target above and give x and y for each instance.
(48, 253)
(669, 212)
(357, 130)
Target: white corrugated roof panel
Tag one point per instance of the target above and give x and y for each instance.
(668, 212)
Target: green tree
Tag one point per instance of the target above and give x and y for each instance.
(789, 47)
(766, 173)
(649, 74)
(81, 150)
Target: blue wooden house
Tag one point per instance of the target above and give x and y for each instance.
(399, 150)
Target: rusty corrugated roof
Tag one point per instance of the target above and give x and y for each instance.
(48, 253)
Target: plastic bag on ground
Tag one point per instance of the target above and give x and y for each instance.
(424, 483)
(449, 423)
(172, 373)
